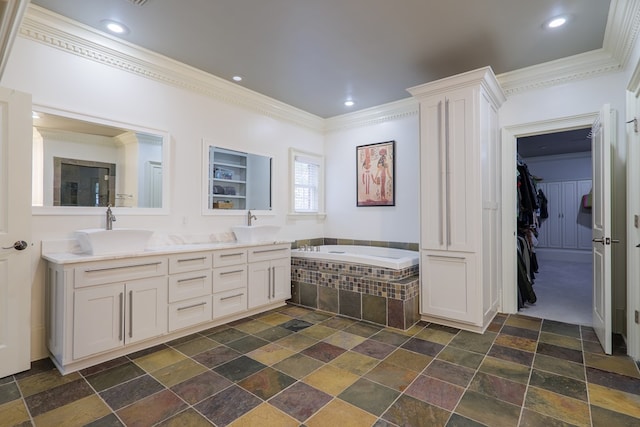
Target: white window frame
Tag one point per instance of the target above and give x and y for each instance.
(314, 158)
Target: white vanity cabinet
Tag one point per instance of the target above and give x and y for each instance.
(99, 308)
(459, 199)
(269, 274)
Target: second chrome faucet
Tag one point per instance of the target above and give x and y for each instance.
(110, 218)
(250, 217)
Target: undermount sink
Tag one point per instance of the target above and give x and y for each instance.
(255, 233)
(98, 241)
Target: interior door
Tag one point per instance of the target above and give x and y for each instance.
(601, 141)
(15, 231)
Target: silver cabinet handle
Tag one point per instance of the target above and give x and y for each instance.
(191, 278)
(130, 314)
(447, 170)
(269, 282)
(440, 184)
(273, 282)
(231, 272)
(269, 250)
(232, 296)
(192, 259)
(228, 255)
(121, 312)
(200, 304)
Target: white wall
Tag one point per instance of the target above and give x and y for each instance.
(561, 167)
(399, 223)
(67, 82)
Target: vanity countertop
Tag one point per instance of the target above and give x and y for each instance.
(69, 257)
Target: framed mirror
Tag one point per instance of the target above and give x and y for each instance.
(82, 163)
(235, 180)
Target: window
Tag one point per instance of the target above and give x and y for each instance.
(307, 193)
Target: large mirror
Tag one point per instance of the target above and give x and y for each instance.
(235, 180)
(84, 163)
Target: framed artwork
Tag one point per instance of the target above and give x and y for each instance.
(375, 168)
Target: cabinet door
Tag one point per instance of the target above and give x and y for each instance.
(462, 161)
(259, 287)
(146, 309)
(448, 172)
(570, 204)
(432, 175)
(542, 230)
(281, 279)
(450, 286)
(554, 222)
(585, 232)
(98, 319)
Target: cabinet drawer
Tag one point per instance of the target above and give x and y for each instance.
(189, 285)
(189, 312)
(189, 262)
(229, 257)
(265, 253)
(229, 302)
(227, 278)
(118, 271)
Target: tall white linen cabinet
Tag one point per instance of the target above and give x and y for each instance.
(460, 215)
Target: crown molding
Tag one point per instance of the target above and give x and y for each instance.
(57, 31)
(371, 116)
(620, 36)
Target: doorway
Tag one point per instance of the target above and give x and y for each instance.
(557, 167)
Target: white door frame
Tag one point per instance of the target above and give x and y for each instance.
(510, 135)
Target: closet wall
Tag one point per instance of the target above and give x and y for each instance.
(566, 178)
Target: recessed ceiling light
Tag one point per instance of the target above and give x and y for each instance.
(349, 103)
(556, 22)
(237, 78)
(114, 27)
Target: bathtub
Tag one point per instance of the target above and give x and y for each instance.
(391, 258)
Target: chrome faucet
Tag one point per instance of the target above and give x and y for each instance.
(110, 218)
(250, 217)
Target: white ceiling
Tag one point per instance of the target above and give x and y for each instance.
(315, 54)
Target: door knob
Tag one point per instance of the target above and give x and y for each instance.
(19, 245)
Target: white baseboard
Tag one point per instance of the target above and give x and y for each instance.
(567, 255)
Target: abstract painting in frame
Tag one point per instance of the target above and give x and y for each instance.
(375, 166)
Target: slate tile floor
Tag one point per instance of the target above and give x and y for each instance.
(293, 366)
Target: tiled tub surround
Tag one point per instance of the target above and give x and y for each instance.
(338, 241)
(379, 295)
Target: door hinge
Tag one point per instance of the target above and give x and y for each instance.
(637, 316)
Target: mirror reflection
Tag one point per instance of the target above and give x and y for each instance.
(80, 163)
(237, 180)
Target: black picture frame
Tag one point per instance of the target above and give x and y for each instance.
(375, 174)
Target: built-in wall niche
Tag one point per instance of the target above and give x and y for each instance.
(81, 163)
(235, 180)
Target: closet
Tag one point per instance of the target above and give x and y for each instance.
(460, 230)
(568, 224)
(560, 274)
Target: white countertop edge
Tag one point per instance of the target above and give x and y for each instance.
(67, 257)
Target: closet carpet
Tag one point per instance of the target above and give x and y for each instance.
(564, 291)
(294, 366)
